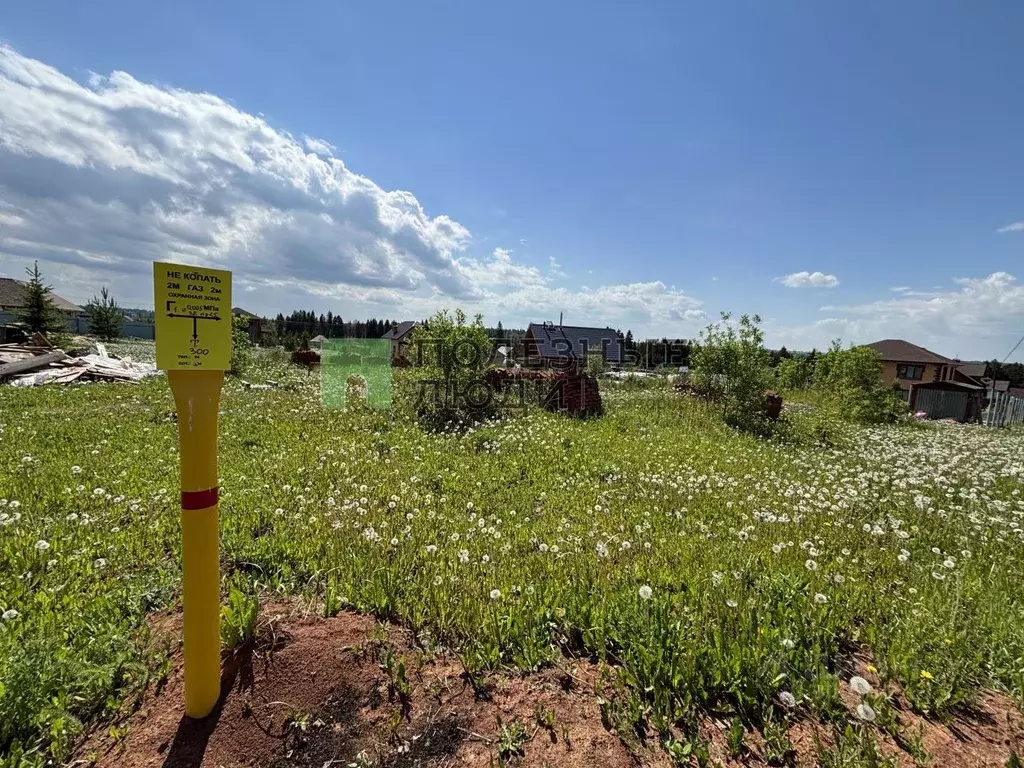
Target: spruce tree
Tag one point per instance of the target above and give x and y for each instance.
(105, 316)
(39, 312)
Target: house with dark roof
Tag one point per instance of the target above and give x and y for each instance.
(255, 323)
(972, 373)
(12, 298)
(398, 335)
(547, 345)
(905, 365)
(931, 382)
(981, 373)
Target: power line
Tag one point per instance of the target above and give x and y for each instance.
(1013, 350)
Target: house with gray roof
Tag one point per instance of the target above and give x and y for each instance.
(547, 345)
(12, 298)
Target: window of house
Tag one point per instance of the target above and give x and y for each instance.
(912, 372)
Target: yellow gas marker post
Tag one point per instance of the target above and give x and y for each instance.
(193, 344)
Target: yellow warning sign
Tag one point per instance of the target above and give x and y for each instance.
(193, 318)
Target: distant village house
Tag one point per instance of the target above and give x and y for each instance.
(255, 324)
(547, 345)
(12, 298)
(398, 335)
(940, 386)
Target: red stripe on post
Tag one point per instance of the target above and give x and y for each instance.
(199, 499)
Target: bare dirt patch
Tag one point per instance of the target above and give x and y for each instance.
(327, 693)
(317, 692)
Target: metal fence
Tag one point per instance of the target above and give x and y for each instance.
(1003, 410)
(80, 324)
(940, 404)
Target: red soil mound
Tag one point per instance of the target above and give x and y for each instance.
(319, 693)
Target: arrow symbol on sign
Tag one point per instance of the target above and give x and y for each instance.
(195, 320)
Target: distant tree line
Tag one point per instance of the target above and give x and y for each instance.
(512, 335)
(653, 353)
(295, 330)
(1012, 372)
(332, 326)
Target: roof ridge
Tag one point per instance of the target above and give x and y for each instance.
(911, 349)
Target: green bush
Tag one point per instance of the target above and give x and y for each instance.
(242, 348)
(850, 380)
(450, 355)
(731, 366)
(794, 373)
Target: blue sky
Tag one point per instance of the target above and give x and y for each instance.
(643, 165)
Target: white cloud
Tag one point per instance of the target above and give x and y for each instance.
(500, 272)
(981, 318)
(116, 173)
(809, 280)
(100, 178)
(1017, 226)
(319, 146)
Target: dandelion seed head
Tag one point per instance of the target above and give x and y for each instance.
(859, 685)
(865, 712)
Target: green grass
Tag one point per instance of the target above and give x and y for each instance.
(712, 570)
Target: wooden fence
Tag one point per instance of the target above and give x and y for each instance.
(1003, 410)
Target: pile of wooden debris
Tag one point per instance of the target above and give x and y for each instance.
(569, 391)
(38, 362)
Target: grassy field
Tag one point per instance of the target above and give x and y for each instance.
(716, 572)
